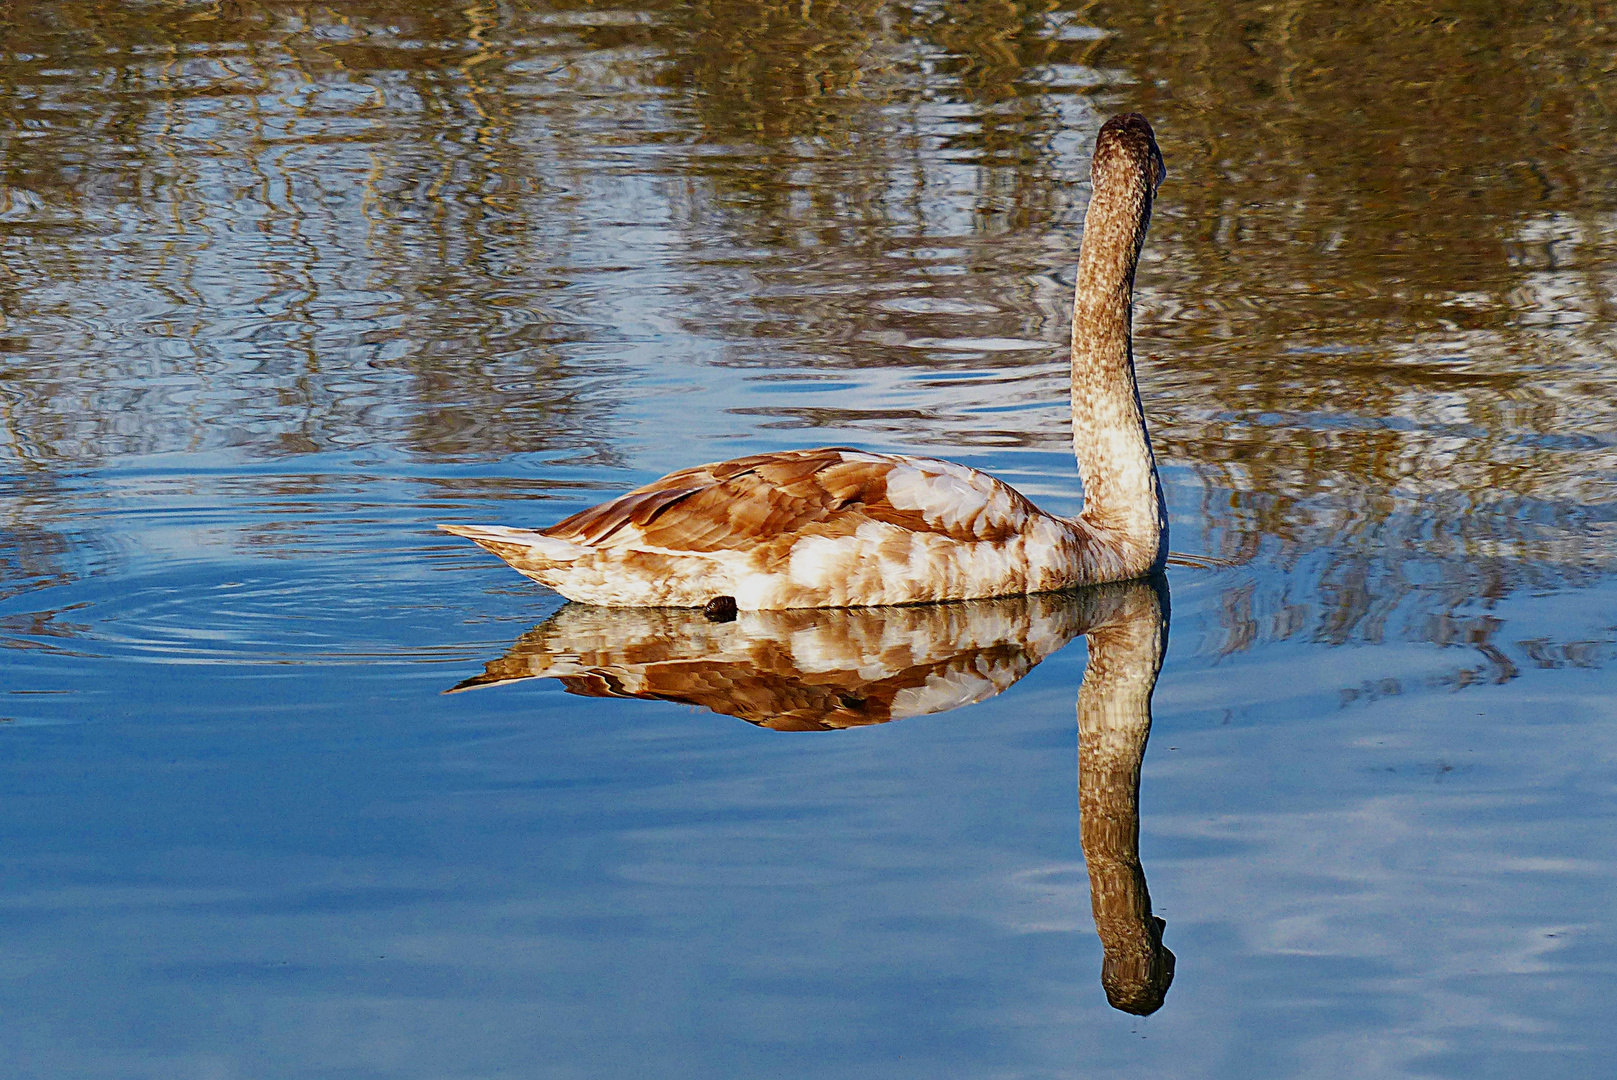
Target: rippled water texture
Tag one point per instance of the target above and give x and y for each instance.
(283, 285)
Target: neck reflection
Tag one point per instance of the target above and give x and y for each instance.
(1126, 645)
(821, 669)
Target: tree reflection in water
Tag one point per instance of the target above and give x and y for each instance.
(1379, 362)
(824, 669)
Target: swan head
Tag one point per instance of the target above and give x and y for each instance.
(1126, 142)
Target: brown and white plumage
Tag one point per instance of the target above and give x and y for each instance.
(806, 528)
(799, 669)
(835, 527)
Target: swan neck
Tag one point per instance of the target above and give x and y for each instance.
(1122, 492)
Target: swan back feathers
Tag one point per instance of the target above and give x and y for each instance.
(831, 491)
(830, 527)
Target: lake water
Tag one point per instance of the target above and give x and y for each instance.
(283, 285)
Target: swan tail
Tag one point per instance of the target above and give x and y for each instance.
(528, 551)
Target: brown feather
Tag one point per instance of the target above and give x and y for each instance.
(756, 499)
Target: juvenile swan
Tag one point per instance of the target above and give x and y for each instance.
(836, 527)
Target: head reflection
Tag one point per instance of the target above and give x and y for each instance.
(823, 669)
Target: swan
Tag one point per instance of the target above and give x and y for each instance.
(838, 527)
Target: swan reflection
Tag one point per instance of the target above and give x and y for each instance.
(816, 669)
(801, 669)
(1126, 645)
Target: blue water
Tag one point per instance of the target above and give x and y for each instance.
(281, 288)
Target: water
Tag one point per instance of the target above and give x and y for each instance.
(283, 285)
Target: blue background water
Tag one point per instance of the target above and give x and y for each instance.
(283, 286)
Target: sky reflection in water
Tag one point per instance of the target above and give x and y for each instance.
(281, 286)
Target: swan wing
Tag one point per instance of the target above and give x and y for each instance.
(831, 491)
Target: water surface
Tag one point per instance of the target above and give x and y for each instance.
(283, 285)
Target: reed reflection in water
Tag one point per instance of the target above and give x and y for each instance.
(825, 669)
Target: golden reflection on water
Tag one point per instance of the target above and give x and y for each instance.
(827, 669)
(1375, 327)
